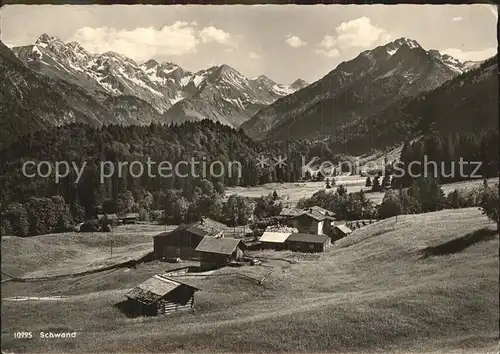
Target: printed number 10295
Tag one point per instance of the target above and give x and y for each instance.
(21, 335)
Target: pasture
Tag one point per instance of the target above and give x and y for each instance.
(291, 193)
(423, 283)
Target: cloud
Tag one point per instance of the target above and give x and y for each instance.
(212, 34)
(474, 55)
(294, 41)
(457, 19)
(333, 53)
(143, 43)
(358, 33)
(253, 55)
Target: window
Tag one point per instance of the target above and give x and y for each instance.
(311, 246)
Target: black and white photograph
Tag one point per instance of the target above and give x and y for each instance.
(249, 178)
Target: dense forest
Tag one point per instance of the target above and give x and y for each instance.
(43, 204)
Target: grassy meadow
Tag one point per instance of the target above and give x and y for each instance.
(293, 192)
(421, 283)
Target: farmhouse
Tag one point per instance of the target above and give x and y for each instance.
(307, 242)
(340, 231)
(159, 295)
(216, 252)
(309, 222)
(182, 242)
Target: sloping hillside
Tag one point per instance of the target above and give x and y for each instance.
(354, 89)
(30, 101)
(423, 283)
(467, 103)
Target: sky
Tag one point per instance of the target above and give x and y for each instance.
(283, 42)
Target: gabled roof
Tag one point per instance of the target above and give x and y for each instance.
(313, 214)
(177, 229)
(291, 212)
(154, 289)
(274, 237)
(322, 210)
(344, 229)
(309, 238)
(207, 227)
(219, 245)
(197, 231)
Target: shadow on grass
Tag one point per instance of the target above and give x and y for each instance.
(459, 244)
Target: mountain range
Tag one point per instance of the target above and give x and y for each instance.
(52, 83)
(219, 93)
(356, 89)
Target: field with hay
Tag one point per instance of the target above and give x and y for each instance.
(421, 283)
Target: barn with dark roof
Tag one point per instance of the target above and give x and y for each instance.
(182, 242)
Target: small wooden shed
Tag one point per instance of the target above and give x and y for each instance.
(216, 252)
(274, 239)
(129, 218)
(340, 231)
(301, 242)
(159, 295)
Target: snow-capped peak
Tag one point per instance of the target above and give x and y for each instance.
(226, 95)
(451, 62)
(394, 46)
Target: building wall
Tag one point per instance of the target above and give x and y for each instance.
(215, 260)
(337, 235)
(319, 229)
(180, 244)
(167, 307)
(293, 223)
(238, 254)
(306, 246)
(212, 260)
(177, 252)
(273, 245)
(307, 225)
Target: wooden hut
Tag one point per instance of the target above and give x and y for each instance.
(340, 231)
(216, 252)
(129, 218)
(159, 295)
(274, 239)
(301, 242)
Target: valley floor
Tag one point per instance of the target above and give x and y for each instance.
(423, 283)
(291, 193)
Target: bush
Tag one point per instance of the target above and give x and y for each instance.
(391, 205)
(490, 203)
(15, 220)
